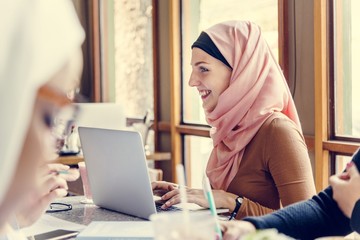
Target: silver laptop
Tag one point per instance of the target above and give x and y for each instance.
(117, 171)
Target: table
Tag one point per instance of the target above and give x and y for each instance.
(86, 213)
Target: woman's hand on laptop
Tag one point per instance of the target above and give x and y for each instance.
(161, 187)
(171, 196)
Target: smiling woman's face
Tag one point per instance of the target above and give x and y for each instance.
(210, 76)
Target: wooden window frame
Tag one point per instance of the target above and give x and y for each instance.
(327, 144)
(89, 15)
(321, 94)
(175, 101)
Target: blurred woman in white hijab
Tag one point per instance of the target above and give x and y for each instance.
(40, 61)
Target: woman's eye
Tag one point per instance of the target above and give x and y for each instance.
(48, 120)
(203, 69)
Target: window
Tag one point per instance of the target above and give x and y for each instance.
(126, 34)
(133, 56)
(346, 43)
(198, 148)
(197, 15)
(340, 163)
(344, 75)
(336, 113)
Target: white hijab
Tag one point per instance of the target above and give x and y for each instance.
(37, 39)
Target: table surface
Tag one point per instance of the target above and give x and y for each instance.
(86, 213)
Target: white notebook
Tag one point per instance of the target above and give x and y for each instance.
(117, 230)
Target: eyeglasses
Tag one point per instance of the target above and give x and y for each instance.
(59, 114)
(59, 207)
(53, 95)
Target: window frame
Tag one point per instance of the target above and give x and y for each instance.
(327, 144)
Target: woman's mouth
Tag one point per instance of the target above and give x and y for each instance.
(204, 93)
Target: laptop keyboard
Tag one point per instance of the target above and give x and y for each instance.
(170, 209)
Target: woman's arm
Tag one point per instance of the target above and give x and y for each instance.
(287, 159)
(251, 208)
(289, 162)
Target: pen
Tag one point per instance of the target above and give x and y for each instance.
(210, 198)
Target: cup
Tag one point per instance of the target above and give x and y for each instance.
(173, 226)
(85, 182)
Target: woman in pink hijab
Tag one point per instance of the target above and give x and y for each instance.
(259, 162)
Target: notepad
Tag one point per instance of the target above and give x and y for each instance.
(99, 230)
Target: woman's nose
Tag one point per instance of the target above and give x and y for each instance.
(193, 80)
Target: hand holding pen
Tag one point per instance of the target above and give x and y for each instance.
(52, 184)
(64, 171)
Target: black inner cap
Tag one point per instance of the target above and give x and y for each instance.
(205, 43)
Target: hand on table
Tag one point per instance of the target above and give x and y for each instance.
(51, 185)
(346, 188)
(233, 230)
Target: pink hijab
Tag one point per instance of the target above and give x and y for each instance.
(257, 90)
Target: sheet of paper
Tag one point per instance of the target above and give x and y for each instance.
(117, 230)
(48, 223)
